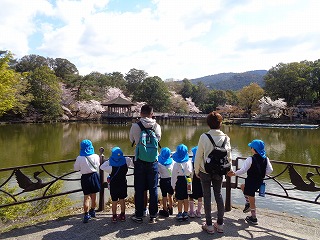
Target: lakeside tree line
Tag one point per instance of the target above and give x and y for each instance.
(46, 87)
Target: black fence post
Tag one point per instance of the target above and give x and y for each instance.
(227, 206)
(101, 172)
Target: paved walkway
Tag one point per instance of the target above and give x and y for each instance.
(272, 225)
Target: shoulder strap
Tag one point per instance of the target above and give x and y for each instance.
(143, 128)
(213, 143)
(224, 142)
(211, 140)
(91, 163)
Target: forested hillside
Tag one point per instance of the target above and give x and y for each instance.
(232, 81)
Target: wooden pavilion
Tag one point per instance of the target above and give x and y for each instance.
(118, 110)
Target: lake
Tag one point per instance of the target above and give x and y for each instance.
(24, 144)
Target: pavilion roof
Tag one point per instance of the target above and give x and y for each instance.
(119, 101)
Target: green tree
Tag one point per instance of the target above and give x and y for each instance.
(95, 86)
(187, 88)
(232, 98)
(134, 79)
(248, 97)
(117, 80)
(47, 93)
(155, 92)
(314, 78)
(30, 62)
(200, 95)
(289, 81)
(63, 68)
(8, 80)
(23, 95)
(215, 98)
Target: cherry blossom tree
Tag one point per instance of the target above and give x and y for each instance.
(91, 109)
(192, 107)
(177, 103)
(113, 93)
(270, 108)
(230, 111)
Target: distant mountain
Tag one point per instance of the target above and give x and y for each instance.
(232, 81)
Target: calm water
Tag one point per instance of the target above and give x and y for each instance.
(24, 144)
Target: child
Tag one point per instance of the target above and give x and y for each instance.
(182, 169)
(165, 171)
(256, 167)
(196, 191)
(88, 164)
(117, 167)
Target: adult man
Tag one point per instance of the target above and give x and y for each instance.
(145, 171)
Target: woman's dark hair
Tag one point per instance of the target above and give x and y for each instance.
(214, 120)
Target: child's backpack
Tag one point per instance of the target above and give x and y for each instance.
(217, 161)
(147, 148)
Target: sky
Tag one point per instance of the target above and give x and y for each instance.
(171, 39)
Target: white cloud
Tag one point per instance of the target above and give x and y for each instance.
(165, 38)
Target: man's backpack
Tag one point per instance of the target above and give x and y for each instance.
(217, 161)
(147, 148)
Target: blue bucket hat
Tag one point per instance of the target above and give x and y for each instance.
(181, 155)
(258, 145)
(117, 159)
(164, 157)
(86, 148)
(194, 151)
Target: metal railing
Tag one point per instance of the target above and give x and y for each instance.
(280, 189)
(287, 189)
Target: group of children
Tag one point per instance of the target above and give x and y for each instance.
(176, 172)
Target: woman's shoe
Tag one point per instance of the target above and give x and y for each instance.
(218, 227)
(208, 229)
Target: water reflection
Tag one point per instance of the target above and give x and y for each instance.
(22, 144)
(25, 144)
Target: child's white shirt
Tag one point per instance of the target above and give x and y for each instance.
(107, 168)
(165, 171)
(81, 164)
(247, 164)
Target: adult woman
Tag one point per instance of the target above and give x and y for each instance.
(214, 121)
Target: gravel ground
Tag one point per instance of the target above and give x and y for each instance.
(272, 225)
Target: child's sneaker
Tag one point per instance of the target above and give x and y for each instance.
(185, 216)
(145, 212)
(153, 220)
(122, 217)
(208, 229)
(163, 213)
(92, 213)
(86, 218)
(252, 220)
(198, 214)
(114, 218)
(191, 214)
(246, 208)
(136, 219)
(218, 227)
(179, 217)
(170, 210)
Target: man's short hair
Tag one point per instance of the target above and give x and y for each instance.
(146, 110)
(214, 120)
